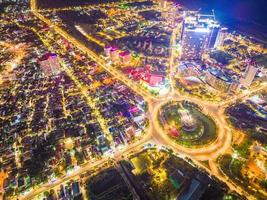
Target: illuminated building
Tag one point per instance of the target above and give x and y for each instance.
(147, 45)
(249, 75)
(125, 57)
(114, 54)
(163, 4)
(49, 64)
(107, 50)
(7, 76)
(199, 32)
(130, 132)
(102, 144)
(220, 81)
(154, 79)
(220, 38)
(118, 56)
(188, 69)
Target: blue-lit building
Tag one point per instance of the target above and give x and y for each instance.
(199, 32)
(219, 80)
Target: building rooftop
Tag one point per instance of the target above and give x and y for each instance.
(220, 74)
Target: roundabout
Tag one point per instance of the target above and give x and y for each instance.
(185, 123)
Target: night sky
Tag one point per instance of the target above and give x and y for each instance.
(253, 11)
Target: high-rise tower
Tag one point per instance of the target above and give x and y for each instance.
(199, 32)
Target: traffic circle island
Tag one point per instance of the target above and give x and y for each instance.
(186, 124)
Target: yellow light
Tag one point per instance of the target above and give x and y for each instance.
(69, 143)
(160, 176)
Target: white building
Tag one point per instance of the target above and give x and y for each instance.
(249, 75)
(199, 32)
(220, 38)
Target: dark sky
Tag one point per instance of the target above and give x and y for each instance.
(250, 10)
(246, 16)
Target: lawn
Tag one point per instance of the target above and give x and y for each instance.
(205, 132)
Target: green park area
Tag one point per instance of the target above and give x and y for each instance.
(246, 167)
(186, 124)
(155, 170)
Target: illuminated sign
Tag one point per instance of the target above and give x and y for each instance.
(201, 30)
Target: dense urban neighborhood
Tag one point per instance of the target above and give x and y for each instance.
(129, 99)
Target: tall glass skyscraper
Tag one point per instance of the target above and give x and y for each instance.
(199, 32)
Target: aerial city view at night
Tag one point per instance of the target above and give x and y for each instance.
(133, 100)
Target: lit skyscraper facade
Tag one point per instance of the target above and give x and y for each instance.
(249, 75)
(220, 38)
(199, 32)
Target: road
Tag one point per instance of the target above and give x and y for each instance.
(172, 58)
(48, 186)
(3, 176)
(210, 151)
(155, 134)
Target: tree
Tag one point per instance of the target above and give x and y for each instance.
(58, 173)
(79, 157)
(263, 183)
